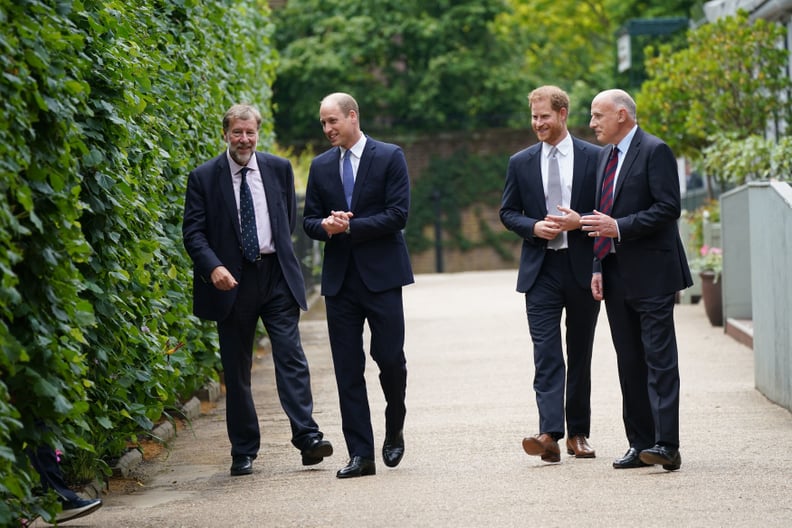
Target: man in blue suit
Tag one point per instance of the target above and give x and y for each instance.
(357, 202)
(639, 266)
(547, 185)
(239, 215)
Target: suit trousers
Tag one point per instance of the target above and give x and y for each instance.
(555, 291)
(646, 352)
(346, 313)
(264, 294)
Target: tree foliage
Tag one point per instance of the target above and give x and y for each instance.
(411, 64)
(730, 159)
(105, 106)
(446, 65)
(572, 44)
(730, 78)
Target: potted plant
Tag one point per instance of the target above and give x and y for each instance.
(709, 265)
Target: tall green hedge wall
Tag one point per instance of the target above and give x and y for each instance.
(106, 105)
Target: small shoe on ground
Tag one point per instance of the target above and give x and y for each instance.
(241, 465)
(357, 467)
(630, 460)
(78, 507)
(393, 449)
(668, 457)
(316, 452)
(578, 445)
(542, 445)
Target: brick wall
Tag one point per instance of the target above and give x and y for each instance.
(420, 150)
(477, 259)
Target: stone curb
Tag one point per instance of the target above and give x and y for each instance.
(165, 431)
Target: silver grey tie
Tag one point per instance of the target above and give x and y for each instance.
(554, 197)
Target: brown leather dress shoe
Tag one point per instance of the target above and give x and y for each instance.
(542, 445)
(578, 445)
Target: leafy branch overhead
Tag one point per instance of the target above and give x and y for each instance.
(730, 78)
(412, 65)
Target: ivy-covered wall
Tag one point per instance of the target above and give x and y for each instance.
(105, 106)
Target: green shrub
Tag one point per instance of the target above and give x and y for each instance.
(105, 107)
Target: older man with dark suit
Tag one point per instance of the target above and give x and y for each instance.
(547, 186)
(357, 202)
(639, 265)
(239, 215)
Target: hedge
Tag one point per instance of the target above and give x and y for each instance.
(106, 106)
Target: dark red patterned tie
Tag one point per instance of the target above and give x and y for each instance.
(602, 245)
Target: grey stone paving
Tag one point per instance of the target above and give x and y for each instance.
(470, 403)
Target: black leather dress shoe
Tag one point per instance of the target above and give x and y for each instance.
(630, 460)
(393, 449)
(316, 451)
(357, 467)
(668, 457)
(242, 465)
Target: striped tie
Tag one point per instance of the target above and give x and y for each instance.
(602, 245)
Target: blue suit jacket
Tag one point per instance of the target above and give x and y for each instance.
(646, 206)
(380, 204)
(523, 205)
(212, 234)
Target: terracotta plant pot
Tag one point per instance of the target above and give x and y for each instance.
(711, 295)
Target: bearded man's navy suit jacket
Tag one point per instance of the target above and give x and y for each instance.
(212, 234)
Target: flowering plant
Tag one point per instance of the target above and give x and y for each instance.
(710, 259)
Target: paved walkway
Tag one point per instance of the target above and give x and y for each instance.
(470, 403)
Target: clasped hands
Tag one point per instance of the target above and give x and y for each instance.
(596, 224)
(552, 225)
(337, 222)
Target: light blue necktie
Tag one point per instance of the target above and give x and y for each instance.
(247, 220)
(348, 177)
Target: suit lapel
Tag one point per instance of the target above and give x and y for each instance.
(334, 173)
(602, 161)
(223, 174)
(369, 151)
(271, 191)
(577, 175)
(629, 158)
(536, 185)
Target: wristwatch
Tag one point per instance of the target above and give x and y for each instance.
(347, 229)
